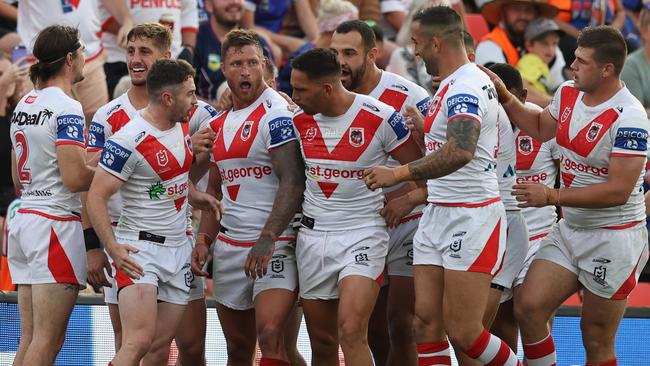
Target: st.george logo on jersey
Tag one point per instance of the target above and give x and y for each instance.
(356, 137)
(162, 158)
(565, 114)
(593, 131)
(310, 134)
(246, 130)
(525, 144)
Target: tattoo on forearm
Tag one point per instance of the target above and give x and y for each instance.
(462, 137)
(288, 166)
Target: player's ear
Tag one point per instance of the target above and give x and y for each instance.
(328, 88)
(524, 94)
(167, 98)
(167, 55)
(372, 54)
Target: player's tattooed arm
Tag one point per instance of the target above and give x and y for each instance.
(462, 138)
(288, 166)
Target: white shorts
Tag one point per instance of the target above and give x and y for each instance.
(326, 257)
(607, 262)
(231, 286)
(167, 268)
(399, 261)
(471, 239)
(197, 289)
(45, 250)
(516, 248)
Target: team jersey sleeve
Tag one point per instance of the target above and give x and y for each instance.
(394, 131)
(70, 127)
(189, 16)
(421, 99)
(464, 101)
(97, 132)
(277, 127)
(118, 156)
(202, 116)
(631, 135)
(554, 107)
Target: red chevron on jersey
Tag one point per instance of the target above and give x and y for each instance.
(233, 190)
(179, 203)
(434, 108)
(567, 178)
(589, 136)
(118, 119)
(353, 143)
(527, 151)
(162, 160)
(328, 188)
(393, 98)
(243, 139)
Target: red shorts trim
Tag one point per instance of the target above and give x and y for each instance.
(623, 226)
(51, 217)
(236, 243)
(537, 237)
(410, 217)
(468, 205)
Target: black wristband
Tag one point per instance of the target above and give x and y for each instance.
(91, 239)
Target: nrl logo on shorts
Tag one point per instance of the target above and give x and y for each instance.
(456, 245)
(600, 273)
(310, 134)
(565, 114)
(189, 278)
(525, 144)
(162, 158)
(246, 130)
(356, 137)
(593, 131)
(277, 266)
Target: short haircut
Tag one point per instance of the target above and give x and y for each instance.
(379, 33)
(608, 45)
(318, 63)
(509, 75)
(239, 38)
(441, 21)
(165, 74)
(468, 40)
(51, 47)
(270, 71)
(159, 35)
(365, 31)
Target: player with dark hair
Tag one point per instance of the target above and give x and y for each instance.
(46, 257)
(601, 243)
(343, 242)
(460, 242)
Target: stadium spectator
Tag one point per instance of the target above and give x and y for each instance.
(505, 43)
(291, 24)
(266, 17)
(225, 15)
(181, 16)
(636, 72)
(541, 39)
(8, 36)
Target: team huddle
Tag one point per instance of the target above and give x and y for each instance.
(398, 223)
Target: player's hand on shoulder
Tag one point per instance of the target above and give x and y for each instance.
(292, 107)
(379, 177)
(202, 140)
(395, 209)
(124, 262)
(504, 94)
(97, 263)
(535, 195)
(258, 258)
(206, 202)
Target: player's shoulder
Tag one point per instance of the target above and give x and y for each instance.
(399, 83)
(374, 106)
(629, 107)
(133, 132)
(273, 100)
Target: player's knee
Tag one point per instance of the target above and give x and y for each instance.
(270, 336)
(400, 328)
(138, 345)
(352, 332)
(595, 335)
(240, 348)
(527, 311)
(462, 337)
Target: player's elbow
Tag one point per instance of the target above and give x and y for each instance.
(75, 185)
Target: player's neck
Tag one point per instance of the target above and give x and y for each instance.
(62, 82)
(453, 62)
(138, 96)
(158, 117)
(338, 103)
(238, 103)
(605, 91)
(370, 80)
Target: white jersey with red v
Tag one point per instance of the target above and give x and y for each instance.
(336, 152)
(587, 138)
(154, 166)
(466, 93)
(506, 161)
(241, 153)
(114, 115)
(43, 120)
(536, 164)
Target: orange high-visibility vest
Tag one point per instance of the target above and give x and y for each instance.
(499, 36)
